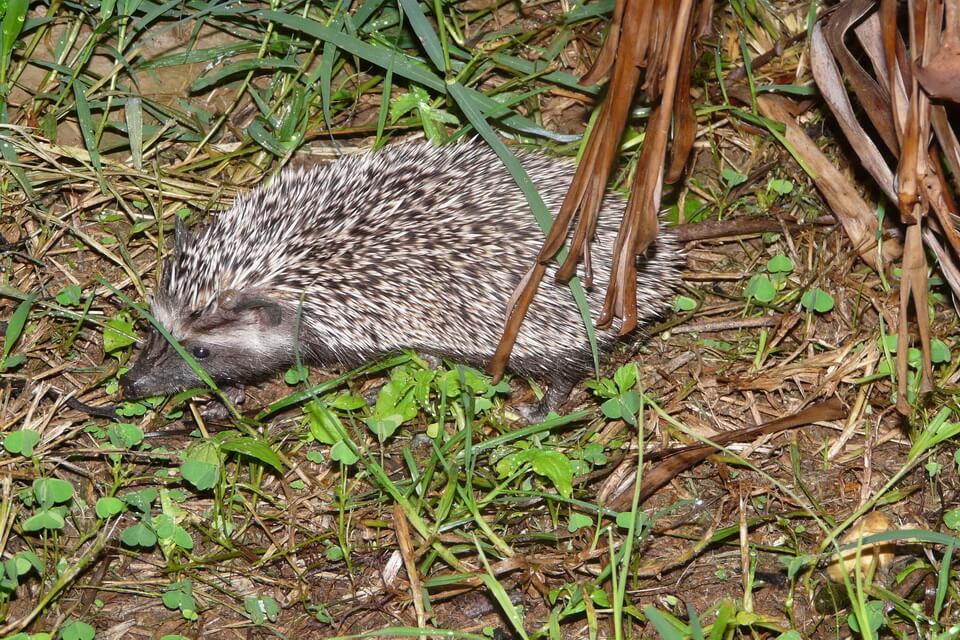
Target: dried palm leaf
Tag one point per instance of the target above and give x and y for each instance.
(896, 98)
(654, 35)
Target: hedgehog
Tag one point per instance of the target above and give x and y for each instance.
(413, 247)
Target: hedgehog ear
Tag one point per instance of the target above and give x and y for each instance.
(267, 311)
(182, 238)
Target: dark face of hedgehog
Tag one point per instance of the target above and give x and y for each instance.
(238, 338)
(237, 333)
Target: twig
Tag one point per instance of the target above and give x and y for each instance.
(713, 326)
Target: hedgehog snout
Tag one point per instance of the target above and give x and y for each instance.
(131, 386)
(133, 382)
(151, 373)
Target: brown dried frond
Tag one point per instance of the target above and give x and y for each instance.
(907, 58)
(655, 35)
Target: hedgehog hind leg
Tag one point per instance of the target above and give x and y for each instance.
(558, 393)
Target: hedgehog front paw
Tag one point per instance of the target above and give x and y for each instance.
(217, 411)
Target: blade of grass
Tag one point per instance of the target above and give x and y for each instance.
(943, 580)
(16, 324)
(88, 131)
(500, 594)
(325, 71)
(133, 112)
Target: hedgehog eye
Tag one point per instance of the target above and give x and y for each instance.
(200, 352)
